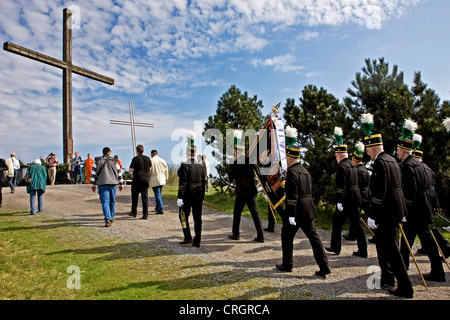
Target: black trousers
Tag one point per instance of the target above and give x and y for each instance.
(411, 229)
(239, 204)
(136, 190)
(389, 257)
(194, 202)
(288, 232)
(354, 217)
(442, 241)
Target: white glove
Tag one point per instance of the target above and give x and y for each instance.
(404, 219)
(340, 207)
(371, 223)
(180, 202)
(292, 221)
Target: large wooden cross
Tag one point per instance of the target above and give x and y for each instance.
(67, 67)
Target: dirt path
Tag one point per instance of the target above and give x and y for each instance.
(348, 280)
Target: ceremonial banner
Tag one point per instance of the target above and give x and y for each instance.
(267, 165)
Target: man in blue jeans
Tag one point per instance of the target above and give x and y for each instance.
(159, 174)
(77, 162)
(106, 174)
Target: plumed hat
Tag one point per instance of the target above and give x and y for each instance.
(408, 129)
(292, 150)
(191, 148)
(370, 139)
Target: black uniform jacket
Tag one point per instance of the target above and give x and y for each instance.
(299, 203)
(363, 184)
(347, 190)
(244, 178)
(191, 179)
(430, 177)
(388, 205)
(417, 191)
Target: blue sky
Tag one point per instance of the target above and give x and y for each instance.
(175, 59)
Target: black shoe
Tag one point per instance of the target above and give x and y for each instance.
(196, 244)
(400, 293)
(232, 236)
(186, 241)
(329, 249)
(259, 239)
(132, 214)
(280, 267)
(372, 240)
(429, 277)
(144, 217)
(159, 212)
(323, 272)
(347, 237)
(269, 229)
(360, 254)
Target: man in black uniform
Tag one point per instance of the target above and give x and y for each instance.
(246, 193)
(348, 201)
(387, 210)
(300, 213)
(191, 192)
(363, 184)
(417, 192)
(442, 241)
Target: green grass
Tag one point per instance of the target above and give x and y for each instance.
(36, 252)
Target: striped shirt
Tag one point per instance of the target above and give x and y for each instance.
(106, 171)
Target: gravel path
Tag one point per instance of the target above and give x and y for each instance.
(348, 279)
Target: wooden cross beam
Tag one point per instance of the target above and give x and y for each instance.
(133, 125)
(68, 68)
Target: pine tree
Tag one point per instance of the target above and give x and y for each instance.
(315, 118)
(235, 110)
(383, 94)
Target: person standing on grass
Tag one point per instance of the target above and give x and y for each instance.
(140, 167)
(3, 168)
(37, 186)
(78, 163)
(159, 175)
(88, 163)
(52, 164)
(106, 174)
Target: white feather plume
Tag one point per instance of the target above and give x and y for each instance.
(417, 137)
(446, 124)
(367, 118)
(338, 131)
(360, 146)
(410, 125)
(191, 135)
(291, 132)
(237, 133)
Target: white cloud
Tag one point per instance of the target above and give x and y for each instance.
(284, 63)
(308, 35)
